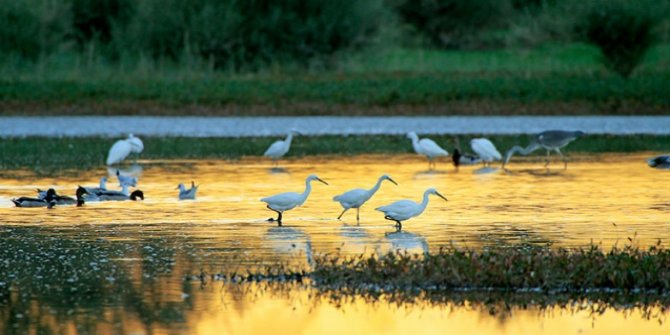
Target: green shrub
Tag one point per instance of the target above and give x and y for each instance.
(33, 28)
(95, 19)
(242, 32)
(452, 23)
(622, 30)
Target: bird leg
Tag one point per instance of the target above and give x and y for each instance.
(273, 219)
(398, 224)
(358, 215)
(339, 217)
(546, 160)
(564, 158)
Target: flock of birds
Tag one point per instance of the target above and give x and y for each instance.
(399, 211)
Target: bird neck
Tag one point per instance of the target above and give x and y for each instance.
(182, 188)
(524, 151)
(124, 189)
(103, 183)
(415, 143)
(308, 189)
(424, 203)
(375, 188)
(289, 138)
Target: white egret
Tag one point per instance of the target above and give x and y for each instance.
(485, 150)
(286, 201)
(659, 162)
(136, 144)
(402, 210)
(550, 140)
(427, 147)
(279, 148)
(126, 180)
(357, 197)
(187, 194)
(122, 148)
(36, 202)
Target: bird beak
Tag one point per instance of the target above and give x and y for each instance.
(393, 181)
(321, 180)
(441, 196)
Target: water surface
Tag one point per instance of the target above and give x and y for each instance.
(120, 267)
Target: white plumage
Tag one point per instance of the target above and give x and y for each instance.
(426, 147)
(286, 201)
(485, 150)
(279, 148)
(187, 194)
(357, 197)
(126, 180)
(122, 148)
(402, 210)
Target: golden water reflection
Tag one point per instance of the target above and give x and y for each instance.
(150, 246)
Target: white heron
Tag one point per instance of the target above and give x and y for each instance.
(485, 150)
(187, 194)
(660, 162)
(122, 148)
(279, 148)
(402, 210)
(550, 140)
(126, 180)
(357, 197)
(286, 201)
(426, 147)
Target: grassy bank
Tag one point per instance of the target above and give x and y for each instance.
(49, 154)
(546, 80)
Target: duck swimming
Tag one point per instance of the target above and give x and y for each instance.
(119, 195)
(56, 198)
(101, 187)
(47, 201)
(187, 194)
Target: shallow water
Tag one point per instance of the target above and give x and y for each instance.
(119, 267)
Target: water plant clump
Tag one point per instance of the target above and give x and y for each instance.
(592, 269)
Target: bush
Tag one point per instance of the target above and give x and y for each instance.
(95, 19)
(241, 32)
(33, 28)
(622, 30)
(452, 23)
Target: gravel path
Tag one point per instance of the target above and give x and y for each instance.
(323, 125)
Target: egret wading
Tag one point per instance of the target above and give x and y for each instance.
(122, 148)
(279, 148)
(402, 210)
(550, 140)
(427, 147)
(486, 151)
(660, 162)
(282, 202)
(357, 197)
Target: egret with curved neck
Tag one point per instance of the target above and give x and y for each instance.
(282, 202)
(357, 197)
(406, 209)
(550, 140)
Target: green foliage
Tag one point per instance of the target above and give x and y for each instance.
(622, 30)
(451, 23)
(96, 19)
(33, 28)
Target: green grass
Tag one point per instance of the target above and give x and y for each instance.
(550, 79)
(46, 155)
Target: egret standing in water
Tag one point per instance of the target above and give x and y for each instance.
(357, 197)
(427, 147)
(402, 210)
(286, 201)
(550, 140)
(279, 148)
(485, 150)
(122, 148)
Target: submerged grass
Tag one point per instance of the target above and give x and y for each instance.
(46, 155)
